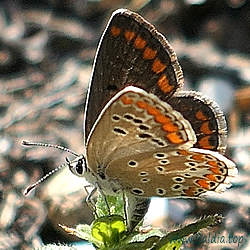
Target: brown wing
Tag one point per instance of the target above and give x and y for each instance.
(180, 173)
(205, 117)
(131, 52)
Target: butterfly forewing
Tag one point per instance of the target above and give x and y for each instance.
(135, 121)
(131, 52)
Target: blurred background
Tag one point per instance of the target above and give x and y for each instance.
(46, 55)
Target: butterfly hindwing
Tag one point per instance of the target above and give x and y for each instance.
(180, 173)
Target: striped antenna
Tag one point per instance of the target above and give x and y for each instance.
(41, 144)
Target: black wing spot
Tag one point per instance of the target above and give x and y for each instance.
(191, 164)
(116, 117)
(120, 131)
(128, 117)
(137, 191)
(145, 136)
(143, 174)
(145, 180)
(176, 186)
(208, 157)
(133, 163)
(212, 184)
(143, 127)
(179, 179)
(164, 162)
(160, 169)
(160, 155)
(138, 121)
(160, 143)
(218, 177)
(160, 191)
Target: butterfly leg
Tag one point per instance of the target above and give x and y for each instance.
(89, 200)
(125, 208)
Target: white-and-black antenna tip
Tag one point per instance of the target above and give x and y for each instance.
(31, 187)
(25, 143)
(42, 144)
(28, 189)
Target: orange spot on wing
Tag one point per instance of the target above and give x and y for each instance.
(126, 100)
(200, 116)
(204, 143)
(174, 138)
(215, 170)
(141, 104)
(162, 119)
(197, 157)
(115, 31)
(183, 152)
(170, 127)
(205, 128)
(140, 43)
(203, 183)
(129, 35)
(211, 177)
(164, 85)
(213, 164)
(158, 66)
(189, 192)
(149, 54)
(153, 111)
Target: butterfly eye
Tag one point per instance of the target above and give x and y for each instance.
(77, 166)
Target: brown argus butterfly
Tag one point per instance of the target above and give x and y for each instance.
(143, 136)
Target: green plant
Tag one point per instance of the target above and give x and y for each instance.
(108, 231)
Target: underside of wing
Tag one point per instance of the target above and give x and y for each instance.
(135, 121)
(180, 173)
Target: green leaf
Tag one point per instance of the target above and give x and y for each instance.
(109, 230)
(83, 231)
(146, 244)
(109, 205)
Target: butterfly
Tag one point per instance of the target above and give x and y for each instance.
(143, 135)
